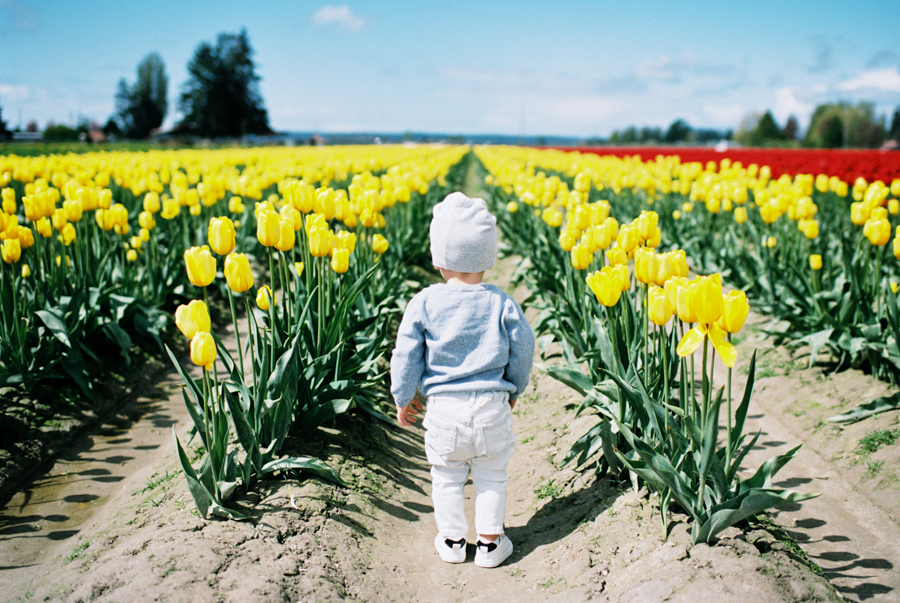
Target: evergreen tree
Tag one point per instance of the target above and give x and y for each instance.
(791, 128)
(221, 97)
(895, 126)
(679, 131)
(4, 133)
(142, 108)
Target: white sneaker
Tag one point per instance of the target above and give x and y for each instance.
(451, 551)
(492, 554)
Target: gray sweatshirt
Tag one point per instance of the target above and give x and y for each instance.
(461, 338)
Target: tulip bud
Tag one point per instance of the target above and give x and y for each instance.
(660, 306)
(201, 266)
(815, 260)
(605, 285)
(263, 296)
(379, 244)
(735, 309)
(26, 271)
(512, 207)
(340, 260)
(11, 251)
(192, 318)
(237, 272)
(203, 349)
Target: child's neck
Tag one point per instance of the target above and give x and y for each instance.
(461, 278)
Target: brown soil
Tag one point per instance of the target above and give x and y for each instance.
(113, 520)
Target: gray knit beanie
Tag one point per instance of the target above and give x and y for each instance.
(463, 234)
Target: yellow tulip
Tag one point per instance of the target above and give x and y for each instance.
(73, 209)
(146, 220)
(647, 224)
(221, 235)
(203, 349)
(289, 214)
(237, 272)
(581, 256)
(707, 301)
(660, 306)
(769, 213)
(170, 209)
(379, 244)
(320, 242)
(628, 238)
(201, 266)
(665, 268)
(68, 234)
(298, 267)
(815, 260)
(192, 318)
(740, 214)
(25, 236)
(268, 228)
(26, 271)
(151, 203)
(340, 260)
(11, 251)
(263, 296)
(345, 240)
(735, 309)
(512, 207)
(44, 228)
(131, 255)
(9, 200)
(286, 236)
(621, 273)
(878, 231)
(616, 257)
(716, 334)
(567, 240)
(684, 305)
(645, 265)
(605, 285)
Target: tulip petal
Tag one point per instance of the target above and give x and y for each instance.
(691, 341)
(723, 346)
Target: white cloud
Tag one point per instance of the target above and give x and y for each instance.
(661, 68)
(15, 92)
(878, 79)
(787, 104)
(338, 17)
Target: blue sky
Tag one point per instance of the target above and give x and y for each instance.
(510, 67)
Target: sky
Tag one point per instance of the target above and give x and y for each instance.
(579, 68)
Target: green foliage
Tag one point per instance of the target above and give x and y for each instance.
(834, 125)
(875, 440)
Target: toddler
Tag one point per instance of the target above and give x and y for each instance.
(469, 349)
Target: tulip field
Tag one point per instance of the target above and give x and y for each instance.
(640, 268)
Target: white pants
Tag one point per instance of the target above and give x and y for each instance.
(469, 430)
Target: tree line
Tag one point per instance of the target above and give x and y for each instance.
(220, 98)
(831, 126)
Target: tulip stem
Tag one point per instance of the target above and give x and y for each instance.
(728, 450)
(251, 337)
(237, 334)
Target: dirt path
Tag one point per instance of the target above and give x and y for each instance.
(851, 531)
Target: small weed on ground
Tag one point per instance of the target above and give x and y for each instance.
(79, 550)
(548, 490)
(875, 440)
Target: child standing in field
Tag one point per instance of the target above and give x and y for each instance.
(469, 349)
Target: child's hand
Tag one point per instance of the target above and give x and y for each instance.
(406, 414)
(512, 404)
